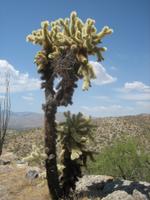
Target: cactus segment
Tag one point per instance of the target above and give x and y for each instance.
(75, 154)
(41, 60)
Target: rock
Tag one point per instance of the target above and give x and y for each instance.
(130, 187)
(91, 185)
(122, 195)
(9, 156)
(4, 162)
(107, 188)
(118, 195)
(138, 195)
(32, 174)
(22, 165)
(20, 162)
(88, 180)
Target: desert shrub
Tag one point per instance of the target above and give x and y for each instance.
(19, 142)
(125, 159)
(36, 157)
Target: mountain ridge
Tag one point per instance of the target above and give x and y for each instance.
(28, 120)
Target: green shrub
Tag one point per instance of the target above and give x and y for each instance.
(125, 159)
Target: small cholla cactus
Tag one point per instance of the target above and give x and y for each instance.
(70, 33)
(75, 135)
(37, 156)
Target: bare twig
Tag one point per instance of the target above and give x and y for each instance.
(5, 106)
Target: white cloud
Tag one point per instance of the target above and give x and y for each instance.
(113, 68)
(135, 91)
(117, 110)
(2, 97)
(29, 97)
(144, 104)
(101, 97)
(19, 82)
(102, 76)
(136, 86)
(111, 110)
(136, 97)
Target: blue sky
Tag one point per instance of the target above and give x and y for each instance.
(123, 84)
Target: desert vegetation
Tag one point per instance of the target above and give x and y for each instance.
(123, 156)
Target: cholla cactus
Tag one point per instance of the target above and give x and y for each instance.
(66, 45)
(75, 135)
(37, 156)
(70, 33)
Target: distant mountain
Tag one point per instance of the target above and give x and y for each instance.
(28, 120)
(107, 126)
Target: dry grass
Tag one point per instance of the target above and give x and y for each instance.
(20, 143)
(15, 186)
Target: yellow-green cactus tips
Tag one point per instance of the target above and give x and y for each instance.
(75, 154)
(73, 14)
(107, 30)
(44, 24)
(81, 58)
(29, 38)
(90, 21)
(86, 84)
(110, 31)
(103, 48)
(83, 139)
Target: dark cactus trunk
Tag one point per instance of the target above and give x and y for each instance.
(1, 148)
(50, 109)
(50, 148)
(2, 140)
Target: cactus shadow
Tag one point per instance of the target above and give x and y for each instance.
(103, 189)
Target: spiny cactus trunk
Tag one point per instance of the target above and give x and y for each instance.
(50, 109)
(1, 147)
(50, 146)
